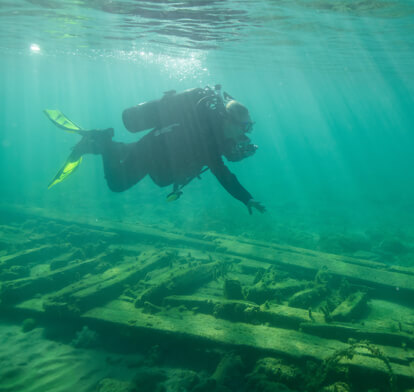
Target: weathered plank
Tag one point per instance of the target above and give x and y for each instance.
(399, 284)
(206, 327)
(180, 282)
(178, 323)
(395, 282)
(99, 288)
(344, 332)
(244, 311)
(214, 331)
(18, 290)
(11, 236)
(281, 330)
(32, 255)
(129, 232)
(293, 318)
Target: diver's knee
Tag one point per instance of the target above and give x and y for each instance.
(116, 186)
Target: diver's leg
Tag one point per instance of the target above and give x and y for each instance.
(93, 142)
(124, 164)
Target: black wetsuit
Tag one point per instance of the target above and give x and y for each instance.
(174, 155)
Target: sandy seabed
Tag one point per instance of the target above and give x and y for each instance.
(29, 362)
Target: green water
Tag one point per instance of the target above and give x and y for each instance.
(330, 87)
(329, 84)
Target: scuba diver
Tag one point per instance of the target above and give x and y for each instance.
(191, 131)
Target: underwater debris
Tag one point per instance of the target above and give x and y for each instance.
(351, 308)
(258, 383)
(259, 275)
(208, 385)
(151, 308)
(274, 370)
(14, 272)
(265, 290)
(259, 293)
(265, 377)
(81, 290)
(332, 364)
(229, 372)
(223, 267)
(337, 387)
(237, 311)
(61, 309)
(129, 293)
(306, 298)
(326, 313)
(28, 324)
(233, 289)
(79, 254)
(113, 256)
(149, 380)
(183, 380)
(59, 262)
(311, 315)
(179, 282)
(228, 376)
(85, 338)
(322, 276)
(154, 356)
(113, 385)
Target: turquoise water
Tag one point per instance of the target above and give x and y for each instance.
(330, 86)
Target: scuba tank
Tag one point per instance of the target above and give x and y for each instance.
(171, 109)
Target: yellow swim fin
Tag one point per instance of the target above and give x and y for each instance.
(61, 121)
(73, 161)
(66, 170)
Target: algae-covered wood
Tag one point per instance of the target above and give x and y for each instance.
(214, 291)
(212, 330)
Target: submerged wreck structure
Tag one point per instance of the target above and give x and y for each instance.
(249, 315)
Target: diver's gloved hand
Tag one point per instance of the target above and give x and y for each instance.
(255, 204)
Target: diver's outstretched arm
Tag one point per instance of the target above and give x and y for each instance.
(232, 185)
